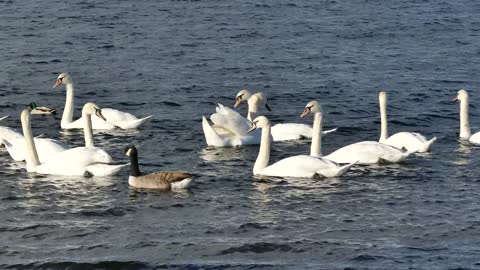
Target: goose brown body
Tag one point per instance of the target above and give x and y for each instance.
(167, 180)
(158, 180)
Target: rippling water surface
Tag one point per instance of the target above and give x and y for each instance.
(176, 60)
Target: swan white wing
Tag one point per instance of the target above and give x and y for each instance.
(101, 169)
(411, 141)
(46, 148)
(291, 131)
(123, 120)
(367, 152)
(97, 123)
(475, 138)
(9, 134)
(301, 166)
(213, 138)
(230, 120)
(74, 161)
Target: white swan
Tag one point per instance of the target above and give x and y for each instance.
(296, 166)
(465, 132)
(166, 180)
(229, 129)
(115, 118)
(17, 148)
(366, 152)
(412, 141)
(280, 132)
(75, 161)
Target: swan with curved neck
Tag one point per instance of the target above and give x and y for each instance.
(229, 129)
(296, 166)
(413, 142)
(366, 152)
(116, 118)
(75, 161)
(17, 149)
(313, 107)
(465, 131)
(280, 132)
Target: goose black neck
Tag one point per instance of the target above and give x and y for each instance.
(134, 169)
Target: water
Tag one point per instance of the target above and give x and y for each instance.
(176, 60)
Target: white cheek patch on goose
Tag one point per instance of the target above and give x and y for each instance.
(128, 152)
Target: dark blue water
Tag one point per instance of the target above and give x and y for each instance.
(176, 60)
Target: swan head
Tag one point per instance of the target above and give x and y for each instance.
(312, 107)
(130, 150)
(92, 109)
(258, 99)
(259, 122)
(462, 95)
(63, 78)
(242, 95)
(382, 95)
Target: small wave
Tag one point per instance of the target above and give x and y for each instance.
(262, 247)
(80, 265)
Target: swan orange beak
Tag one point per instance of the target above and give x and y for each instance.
(254, 126)
(57, 83)
(237, 102)
(100, 115)
(305, 112)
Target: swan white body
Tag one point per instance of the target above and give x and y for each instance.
(74, 161)
(362, 152)
(413, 142)
(229, 129)
(465, 131)
(280, 132)
(296, 166)
(115, 118)
(7, 133)
(46, 148)
(368, 152)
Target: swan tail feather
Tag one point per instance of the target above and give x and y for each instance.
(132, 124)
(212, 138)
(343, 169)
(329, 131)
(105, 169)
(428, 145)
(6, 116)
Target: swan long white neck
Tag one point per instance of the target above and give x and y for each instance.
(465, 132)
(252, 107)
(67, 116)
(87, 129)
(316, 147)
(383, 117)
(264, 152)
(32, 157)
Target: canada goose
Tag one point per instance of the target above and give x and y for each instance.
(157, 180)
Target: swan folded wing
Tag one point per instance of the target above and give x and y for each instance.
(81, 156)
(367, 152)
(410, 140)
(231, 120)
(46, 148)
(101, 169)
(291, 131)
(300, 166)
(9, 133)
(123, 120)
